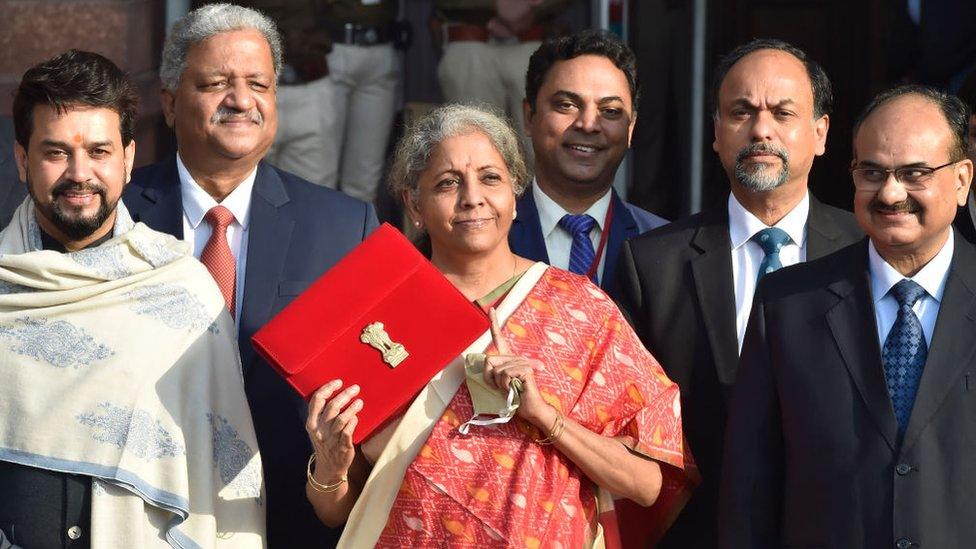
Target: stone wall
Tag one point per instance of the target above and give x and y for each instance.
(129, 32)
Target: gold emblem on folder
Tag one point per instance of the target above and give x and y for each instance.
(375, 336)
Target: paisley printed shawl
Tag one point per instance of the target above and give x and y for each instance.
(498, 488)
(120, 363)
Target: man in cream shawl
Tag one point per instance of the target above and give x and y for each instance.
(123, 421)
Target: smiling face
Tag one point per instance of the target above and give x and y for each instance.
(75, 168)
(766, 134)
(906, 131)
(464, 198)
(581, 125)
(224, 108)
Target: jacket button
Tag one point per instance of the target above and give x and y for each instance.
(74, 532)
(903, 469)
(903, 543)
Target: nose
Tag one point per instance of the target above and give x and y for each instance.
(240, 97)
(892, 191)
(79, 168)
(588, 119)
(470, 195)
(762, 126)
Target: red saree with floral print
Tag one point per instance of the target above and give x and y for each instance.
(496, 487)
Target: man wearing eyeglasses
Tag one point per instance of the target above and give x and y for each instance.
(853, 421)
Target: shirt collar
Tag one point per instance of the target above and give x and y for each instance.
(196, 201)
(743, 224)
(932, 277)
(550, 212)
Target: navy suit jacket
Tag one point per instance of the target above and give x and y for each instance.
(526, 239)
(297, 231)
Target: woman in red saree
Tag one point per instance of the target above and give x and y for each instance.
(597, 413)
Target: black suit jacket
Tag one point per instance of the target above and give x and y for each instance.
(676, 287)
(297, 231)
(12, 190)
(813, 457)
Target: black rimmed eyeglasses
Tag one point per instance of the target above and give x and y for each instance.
(913, 178)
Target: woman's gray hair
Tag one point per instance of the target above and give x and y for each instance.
(422, 137)
(204, 22)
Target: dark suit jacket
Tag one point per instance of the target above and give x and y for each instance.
(813, 457)
(297, 231)
(676, 287)
(12, 190)
(526, 239)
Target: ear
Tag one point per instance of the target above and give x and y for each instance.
(715, 132)
(411, 206)
(820, 127)
(168, 100)
(964, 177)
(130, 159)
(20, 156)
(630, 129)
(526, 117)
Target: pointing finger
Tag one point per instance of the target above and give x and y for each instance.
(496, 333)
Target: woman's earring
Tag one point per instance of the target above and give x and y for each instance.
(416, 224)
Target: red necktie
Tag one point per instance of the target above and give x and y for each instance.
(217, 256)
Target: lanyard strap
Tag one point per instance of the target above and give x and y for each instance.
(591, 272)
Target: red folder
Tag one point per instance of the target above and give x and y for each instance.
(383, 318)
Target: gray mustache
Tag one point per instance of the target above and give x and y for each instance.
(762, 148)
(224, 114)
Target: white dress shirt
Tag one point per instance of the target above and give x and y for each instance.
(932, 277)
(196, 204)
(559, 242)
(748, 255)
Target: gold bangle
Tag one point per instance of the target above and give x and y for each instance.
(318, 486)
(558, 425)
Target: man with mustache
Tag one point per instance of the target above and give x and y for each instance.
(688, 286)
(851, 423)
(265, 234)
(580, 108)
(115, 431)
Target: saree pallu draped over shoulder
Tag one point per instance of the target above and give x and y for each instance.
(119, 362)
(496, 487)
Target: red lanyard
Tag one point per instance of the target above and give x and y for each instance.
(591, 272)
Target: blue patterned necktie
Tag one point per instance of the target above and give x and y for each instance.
(771, 240)
(581, 255)
(904, 352)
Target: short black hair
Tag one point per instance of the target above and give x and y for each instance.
(74, 78)
(956, 113)
(823, 96)
(588, 42)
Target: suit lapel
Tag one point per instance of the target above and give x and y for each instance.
(822, 232)
(953, 343)
(622, 227)
(165, 201)
(525, 237)
(851, 321)
(712, 271)
(268, 240)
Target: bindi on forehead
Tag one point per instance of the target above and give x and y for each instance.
(76, 139)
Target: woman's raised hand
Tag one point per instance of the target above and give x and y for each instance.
(502, 368)
(331, 422)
